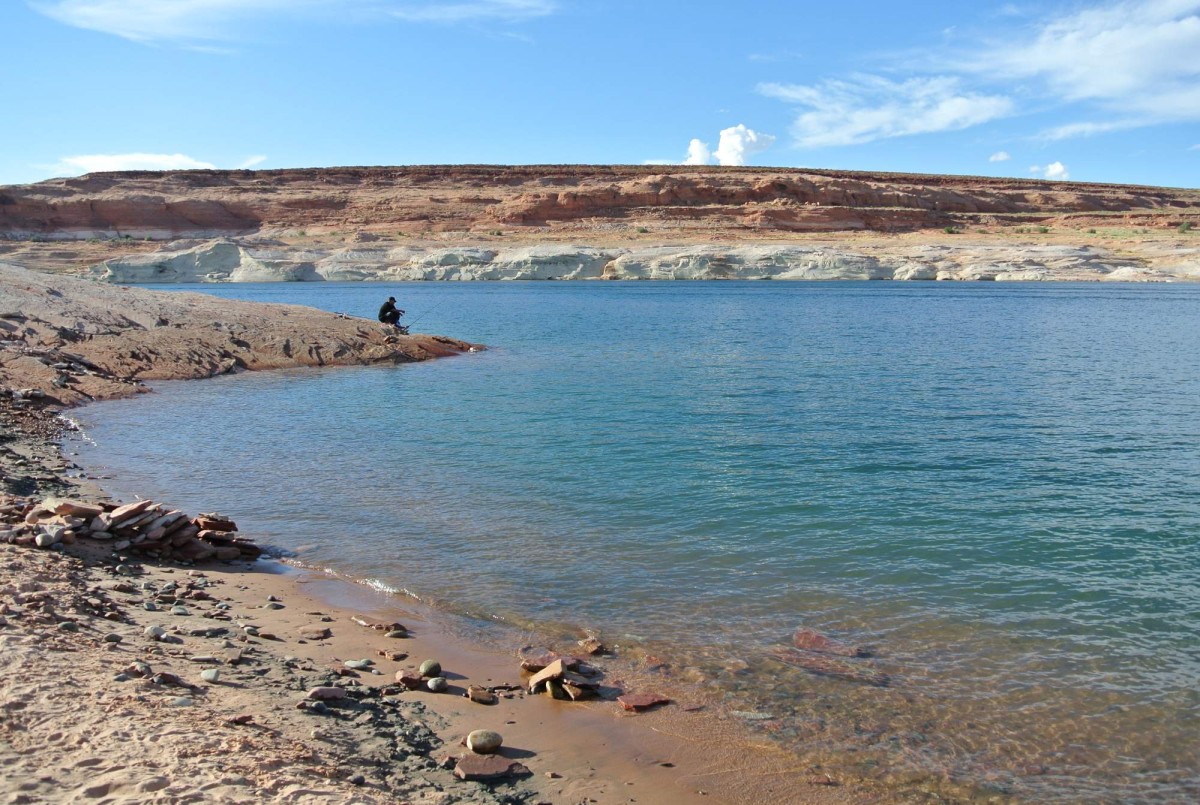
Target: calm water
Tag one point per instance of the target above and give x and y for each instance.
(997, 486)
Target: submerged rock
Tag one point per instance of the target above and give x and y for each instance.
(812, 640)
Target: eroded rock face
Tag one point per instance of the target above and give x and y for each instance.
(163, 205)
(225, 261)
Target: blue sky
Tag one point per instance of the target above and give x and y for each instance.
(1103, 91)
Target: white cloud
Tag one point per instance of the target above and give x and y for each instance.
(250, 162)
(91, 163)
(698, 153)
(869, 108)
(736, 145)
(1000, 156)
(1087, 129)
(149, 20)
(1134, 58)
(1055, 170)
(481, 9)
(1195, 147)
(193, 20)
(738, 142)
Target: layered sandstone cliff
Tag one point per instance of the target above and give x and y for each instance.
(477, 198)
(594, 222)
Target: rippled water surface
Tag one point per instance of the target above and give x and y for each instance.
(995, 486)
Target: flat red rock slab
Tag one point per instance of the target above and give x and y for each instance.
(488, 767)
(641, 701)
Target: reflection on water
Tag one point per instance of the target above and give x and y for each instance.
(995, 486)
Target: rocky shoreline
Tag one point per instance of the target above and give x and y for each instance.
(137, 669)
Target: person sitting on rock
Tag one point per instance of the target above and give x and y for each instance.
(390, 314)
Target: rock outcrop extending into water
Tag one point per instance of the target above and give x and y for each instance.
(64, 341)
(227, 261)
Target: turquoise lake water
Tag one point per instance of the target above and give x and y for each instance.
(995, 486)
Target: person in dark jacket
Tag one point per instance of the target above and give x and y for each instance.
(389, 313)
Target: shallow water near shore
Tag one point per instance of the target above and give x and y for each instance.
(994, 486)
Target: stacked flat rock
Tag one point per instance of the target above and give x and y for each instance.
(142, 527)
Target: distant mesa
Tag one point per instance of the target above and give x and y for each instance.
(576, 222)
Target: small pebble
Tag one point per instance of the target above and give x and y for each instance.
(121, 678)
(273, 605)
(438, 684)
(211, 675)
(484, 742)
(155, 632)
(179, 610)
(112, 637)
(150, 606)
(68, 626)
(430, 668)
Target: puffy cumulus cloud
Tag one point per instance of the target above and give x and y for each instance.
(698, 153)
(1055, 170)
(868, 108)
(91, 163)
(738, 142)
(736, 145)
(1135, 58)
(193, 20)
(1000, 156)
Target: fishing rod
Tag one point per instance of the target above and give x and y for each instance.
(425, 313)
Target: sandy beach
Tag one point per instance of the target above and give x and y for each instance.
(136, 680)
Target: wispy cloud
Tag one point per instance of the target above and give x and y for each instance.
(1088, 129)
(1113, 65)
(868, 108)
(480, 10)
(91, 163)
(94, 163)
(250, 162)
(1133, 58)
(208, 20)
(1000, 156)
